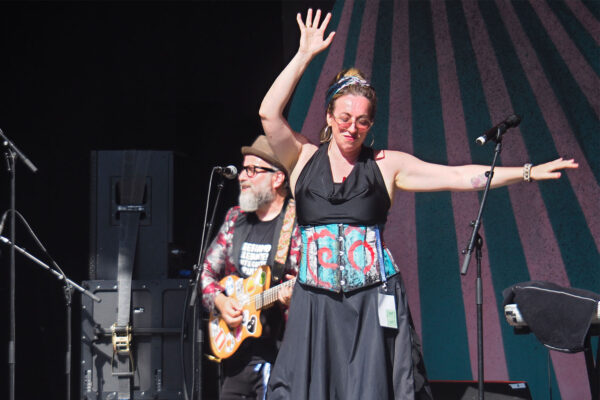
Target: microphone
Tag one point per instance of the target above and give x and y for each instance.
(229, 172)
(497, 131)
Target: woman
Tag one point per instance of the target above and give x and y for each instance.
(349, 332)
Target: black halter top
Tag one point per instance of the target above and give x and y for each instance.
(362, 199)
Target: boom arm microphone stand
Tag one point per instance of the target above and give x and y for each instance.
(11, 154)
(68, 288)
(477, 242)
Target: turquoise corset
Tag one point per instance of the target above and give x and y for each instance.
(340, 257)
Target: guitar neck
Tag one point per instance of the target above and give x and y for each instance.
(269, 296)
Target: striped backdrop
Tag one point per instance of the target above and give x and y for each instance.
(445, 72)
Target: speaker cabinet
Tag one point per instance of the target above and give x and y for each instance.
(157, 310)
(469, 390)
(155, 228)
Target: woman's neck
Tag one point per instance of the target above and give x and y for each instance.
(341, 163)
(338, 154)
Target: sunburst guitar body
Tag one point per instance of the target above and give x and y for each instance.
(253, 294)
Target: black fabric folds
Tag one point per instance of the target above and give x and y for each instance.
(362, 198)
(320, 358)
(559, 317)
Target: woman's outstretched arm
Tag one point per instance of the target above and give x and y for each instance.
(410, 173)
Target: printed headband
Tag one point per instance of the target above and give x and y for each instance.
(342, 83)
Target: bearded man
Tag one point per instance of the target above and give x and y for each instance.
(248, 239)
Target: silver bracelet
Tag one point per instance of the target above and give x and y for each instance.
(527, 172)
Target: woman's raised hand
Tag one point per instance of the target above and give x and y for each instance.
(312, 40)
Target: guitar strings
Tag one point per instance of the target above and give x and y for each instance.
(269, 294)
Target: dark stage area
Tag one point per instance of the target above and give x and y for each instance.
(75, 77)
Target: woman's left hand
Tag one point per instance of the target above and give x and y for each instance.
(550, 170)
(312, 33)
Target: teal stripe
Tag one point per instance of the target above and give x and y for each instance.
(582, 38)
(471, 88)
(306, 87)
(594, 7)
(380, 76)
(505, 253)
(577, 246)
(358, 10)
(581, 116)
(439, 278)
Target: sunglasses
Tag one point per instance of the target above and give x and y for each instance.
(345, 121)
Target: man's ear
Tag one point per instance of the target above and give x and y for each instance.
(278, 180)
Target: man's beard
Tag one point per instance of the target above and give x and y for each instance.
(256, 196)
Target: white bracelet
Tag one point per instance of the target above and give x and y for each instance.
(527, 172)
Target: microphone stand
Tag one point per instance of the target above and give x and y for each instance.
(195, 285)
(11, 154)
(69, 286)
(477, 242)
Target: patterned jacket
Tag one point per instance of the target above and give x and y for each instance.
(219, 263)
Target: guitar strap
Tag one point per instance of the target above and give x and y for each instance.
(285, 226)
(131, 193)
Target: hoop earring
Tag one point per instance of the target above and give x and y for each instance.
(326, 134)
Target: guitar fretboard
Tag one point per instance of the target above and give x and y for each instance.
(269, 296)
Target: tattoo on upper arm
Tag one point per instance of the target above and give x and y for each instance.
(479, 181)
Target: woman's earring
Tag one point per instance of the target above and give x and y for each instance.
(328, 132)
(372, 140)
(325, 134)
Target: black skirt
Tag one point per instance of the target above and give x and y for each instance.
(334, 348)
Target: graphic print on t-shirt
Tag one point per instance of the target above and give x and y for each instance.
(257, 245)
(253, 255)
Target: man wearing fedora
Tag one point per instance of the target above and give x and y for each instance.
(261, 230)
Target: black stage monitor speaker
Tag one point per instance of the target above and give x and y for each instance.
(155, 227)
(157, 309)
(469, 390)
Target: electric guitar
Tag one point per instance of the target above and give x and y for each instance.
(253, 294)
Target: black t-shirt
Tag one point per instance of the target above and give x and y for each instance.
(255, 251)
(257, 246)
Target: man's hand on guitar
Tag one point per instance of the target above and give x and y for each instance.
(285, 293)
(230, 310)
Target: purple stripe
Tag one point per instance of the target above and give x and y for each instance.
(582, 72)
(588, 191)
(315, 117)
(585, 17)
(366, 40)
(465, 206)
(401, 235)
(400, 125)
(539, 244)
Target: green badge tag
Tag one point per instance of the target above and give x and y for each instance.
(391, 318)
